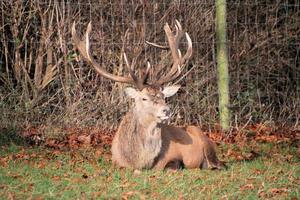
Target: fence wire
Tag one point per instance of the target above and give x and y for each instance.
(263, 43)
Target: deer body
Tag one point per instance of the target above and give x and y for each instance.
(188, 146)
(144, 140)
(158, 145)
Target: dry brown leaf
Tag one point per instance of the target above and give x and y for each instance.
(267, 138)
(83, 196)
(56, 152)
(56, 178)
(41, 164)
(261, 193)
(14, 175)
(51, 143)
(127, 195)
(278, 190)
(11, 196)
(252, 155)
(98, 152)
(85, 139)
(30, 186)
(247, 187)
(235, 154)
(96, 195)
(77, 180)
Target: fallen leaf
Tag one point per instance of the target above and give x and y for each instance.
(247, 187)
(30, 187)
(224, 197)
(14, 175)
(83, 196)
(11, 196)
(51, 143)
(76, 180)
(98, 152)
(72, 140)
(252, 155)
(41, 164)
(289, 157)
(3, 187)
(56, 152)
(180, 196)
(85, 139)
(56, 178)
(278, 190)
(127, 195)
(235, 155)
(96, 195)
(261, 193)
(267, 138)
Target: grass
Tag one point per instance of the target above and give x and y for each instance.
(40, 173)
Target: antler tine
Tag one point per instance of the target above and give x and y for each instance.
(146, 74)
(138, 82)
(157, 45)
(189, 50)
(178, 36)
(179, 32)
(178, 60)
(83, 45)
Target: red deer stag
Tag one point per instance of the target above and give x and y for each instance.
(144, 140)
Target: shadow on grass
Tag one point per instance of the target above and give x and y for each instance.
(10, 136)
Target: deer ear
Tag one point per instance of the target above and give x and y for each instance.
(131, 92)
(170, 90)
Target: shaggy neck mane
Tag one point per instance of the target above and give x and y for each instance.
(140, 139)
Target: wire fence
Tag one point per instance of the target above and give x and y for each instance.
(263, 43)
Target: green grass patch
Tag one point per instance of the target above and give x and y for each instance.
(27, 172)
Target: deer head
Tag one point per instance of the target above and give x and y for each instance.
(149, 97)
(150, 103)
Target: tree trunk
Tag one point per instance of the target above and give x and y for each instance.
(222, 64)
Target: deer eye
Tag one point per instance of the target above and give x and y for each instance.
(144, 99)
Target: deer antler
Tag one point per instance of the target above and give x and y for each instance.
(178, 60)
(83, 46)
(139, 82)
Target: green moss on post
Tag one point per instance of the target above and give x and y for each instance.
(222, 64)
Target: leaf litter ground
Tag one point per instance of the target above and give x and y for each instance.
(262, 163)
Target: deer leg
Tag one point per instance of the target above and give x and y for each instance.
(161, 164)
(191, 163)
(175, 165)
